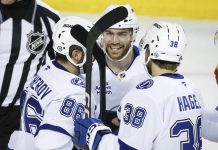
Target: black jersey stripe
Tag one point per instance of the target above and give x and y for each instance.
(23, 80)
(44, 14)
(49, 47)
(44, 52)
(47, 13)
(49, 31)
(16, 41)
(55, 17)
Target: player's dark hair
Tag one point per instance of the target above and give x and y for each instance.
(166, 64)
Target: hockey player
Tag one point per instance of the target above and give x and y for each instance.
(124, 68)
(56, 95)
(163, 112)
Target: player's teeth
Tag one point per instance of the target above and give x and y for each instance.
(114, 48)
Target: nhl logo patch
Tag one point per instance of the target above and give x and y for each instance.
(146, 84)
(36, 42)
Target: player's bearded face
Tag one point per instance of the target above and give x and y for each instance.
(7, 2)
(117, 42)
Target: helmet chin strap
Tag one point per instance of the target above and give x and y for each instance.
(81, 65)
(82, 69)
(147, 67)
(148, 70)
(149, 58)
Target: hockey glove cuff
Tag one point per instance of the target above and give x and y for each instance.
(89, 131)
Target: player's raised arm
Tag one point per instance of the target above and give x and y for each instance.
(210, 125)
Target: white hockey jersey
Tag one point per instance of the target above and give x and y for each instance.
(160, 113)
(118, 85)
(54, 99)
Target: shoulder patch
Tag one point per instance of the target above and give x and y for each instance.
(145, 84)
(78, 82)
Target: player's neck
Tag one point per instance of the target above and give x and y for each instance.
(119, 66)
(70, 67)
(157, 71)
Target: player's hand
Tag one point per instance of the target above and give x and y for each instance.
(88, 132)
(111, 120)
(216, 74)
(116, 121)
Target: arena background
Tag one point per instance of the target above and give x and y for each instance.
(198, 9)
(199, 19)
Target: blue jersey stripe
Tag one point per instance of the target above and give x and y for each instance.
(125, 146)
(53, 128)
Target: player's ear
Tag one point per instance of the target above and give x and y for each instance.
(77, 56)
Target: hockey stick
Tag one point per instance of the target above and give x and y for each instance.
(78, 32)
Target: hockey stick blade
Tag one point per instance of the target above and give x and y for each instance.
(114, 16)
(80, 34)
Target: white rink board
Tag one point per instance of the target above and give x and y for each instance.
(199, 60)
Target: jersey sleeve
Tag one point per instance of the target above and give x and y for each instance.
(210, 125)
(21, 140)
(53, 140)
(109, 142)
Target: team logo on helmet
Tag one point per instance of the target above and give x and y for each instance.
(36, 42)
(78, 82)
(145, 84)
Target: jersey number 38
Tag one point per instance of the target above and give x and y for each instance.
(134, 116)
